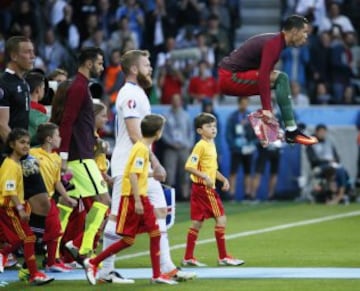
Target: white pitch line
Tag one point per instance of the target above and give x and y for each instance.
(252, 232)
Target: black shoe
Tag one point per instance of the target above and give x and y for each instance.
(297, 136)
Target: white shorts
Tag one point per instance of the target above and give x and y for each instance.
(155, 193)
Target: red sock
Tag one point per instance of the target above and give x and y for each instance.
(111, 250)
(220, 240)
(51, 252)
(29, 255)
(155, 253)
(190, 243)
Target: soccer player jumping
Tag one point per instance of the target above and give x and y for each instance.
(249, 70)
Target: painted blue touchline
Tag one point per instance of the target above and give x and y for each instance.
(218, 273)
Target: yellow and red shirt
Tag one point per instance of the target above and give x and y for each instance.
(138, 163)
(203, 158)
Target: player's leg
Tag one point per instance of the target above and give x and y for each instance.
(282, 93)
(88, 183)
(157, 199)
(128, 226)
(198, 200)
(215, 209)
(110, 235)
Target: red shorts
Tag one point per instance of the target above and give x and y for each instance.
(129, 223)
(14, 229)
(205, 203)
(239, 84)
(52, 223)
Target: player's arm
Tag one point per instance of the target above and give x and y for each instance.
(268, 60)
(4, 122)
(224, 180)
(66, 199)
(133, 128)
(139, 208)
(20, 208)
(73, 105)
(201, 175)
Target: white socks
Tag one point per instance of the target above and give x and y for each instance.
(109, 238)
(166, 263)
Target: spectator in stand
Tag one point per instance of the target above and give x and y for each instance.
(241, 141)
(206, 52)
(298, 99)
(88, 28)
(158, 27)
(97, 40)
(217, 38)
(122, 33)
(170, 82)
(56, 11)
(294, 63)
(106, 16)
(24, 14)
(218, 7)
(135, 14)
(114, 77)
(178, 137)
(82, 10)
(319, 63)
(185, 38)
(322, 95)
(315, 11)
(188, 13)
(67, 31)
(203, 85)
(339, 65)
(53, 52)
(336, 18)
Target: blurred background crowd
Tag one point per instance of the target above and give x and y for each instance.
(186, 39)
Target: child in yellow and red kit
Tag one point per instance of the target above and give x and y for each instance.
(50, 169)
(14, 213)
(205, 202)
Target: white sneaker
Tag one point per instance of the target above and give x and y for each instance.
(230, 261)
(116, 278)
(192, 263)
(163, 279)
(90, 271)
(179, 275)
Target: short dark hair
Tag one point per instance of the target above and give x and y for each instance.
(45, 130)
(204, 118)
(14, 135)
(89, 53)
(151, 124)
(320, 126)
(295, 21)
(34, 79)
(131, 57)
(12, 45)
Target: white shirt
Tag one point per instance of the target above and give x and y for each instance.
(131, 102)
